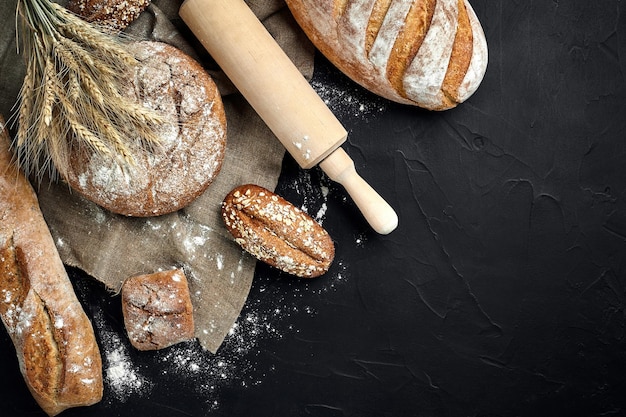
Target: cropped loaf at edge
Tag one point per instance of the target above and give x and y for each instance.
(429, 53)
(54, 340)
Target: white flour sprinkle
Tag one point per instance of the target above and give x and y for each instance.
(360, 240)
(207, 374)
(346, 101)
(321, 213)
(314, 197)
(121, 375)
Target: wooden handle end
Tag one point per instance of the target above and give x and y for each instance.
(378, 213)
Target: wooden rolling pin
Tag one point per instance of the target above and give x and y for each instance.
(282, 97)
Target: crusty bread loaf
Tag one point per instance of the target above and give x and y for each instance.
(115, 14)
(276, 232)
(53, 338)
(157, 309)
(429, 53)
(193, 140)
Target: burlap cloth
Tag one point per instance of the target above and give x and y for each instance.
(110, 247)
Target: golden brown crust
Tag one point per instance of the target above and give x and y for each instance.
(408, 51)
(157, 309)
(276, 232)
(44, 367)
(409, 40)
(116, 14)
(53, 338)
(340, 7)
(193, 140)
(461, 56)
(375, 21)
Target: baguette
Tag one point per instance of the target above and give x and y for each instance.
(428, 53)
(53, 338)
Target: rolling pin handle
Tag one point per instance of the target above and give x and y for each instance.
(378, 213)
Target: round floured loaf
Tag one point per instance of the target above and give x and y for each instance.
(429, 53)
(192, 147)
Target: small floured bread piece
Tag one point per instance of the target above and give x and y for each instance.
(429, 53)
(193, 140)
(54, 340)
(157, 309)
(115, 14)
(276, 232)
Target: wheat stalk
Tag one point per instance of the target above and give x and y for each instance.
(71, 94)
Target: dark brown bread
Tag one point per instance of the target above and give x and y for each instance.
(276, 232)
(193, 140)
(53, 338)
(429, 53)
(157, 309)
(115, 14)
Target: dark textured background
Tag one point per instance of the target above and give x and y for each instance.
(502, 292)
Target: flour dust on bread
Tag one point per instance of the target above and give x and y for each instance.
(276, 232)
(428, 53)
(157, 309)
(53, 338)
(192, 140)
(116, 14)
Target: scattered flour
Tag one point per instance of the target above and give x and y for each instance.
(360, 240)
(121, 375)
(266, 316)
(321, 213)
(314, 197)
(219, 258)
(349, 101)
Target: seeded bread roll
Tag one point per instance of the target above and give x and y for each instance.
(429, 53)
(53, 338)
(157, 309)
(116, 14)
(276, 232)
(193, 140)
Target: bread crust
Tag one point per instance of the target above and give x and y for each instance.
(428, 53)
(157, 309)
(53, 337)
(193, 138)
(276, 232)
(115, 14)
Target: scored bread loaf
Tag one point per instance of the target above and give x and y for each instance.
(429, 53)
(276, 232)
(53, 338)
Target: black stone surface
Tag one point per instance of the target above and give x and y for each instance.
(501, 293)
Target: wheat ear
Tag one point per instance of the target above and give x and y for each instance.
(71, 94)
